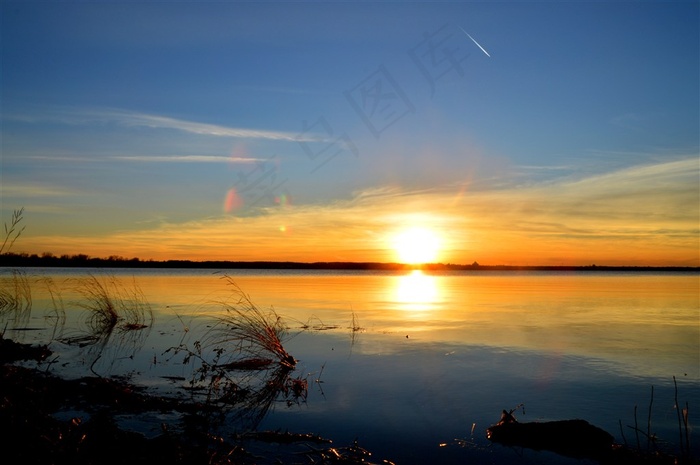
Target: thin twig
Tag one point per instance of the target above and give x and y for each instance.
(678, 413)
(624, 439)
(651, 401)
(92, 366)
(686, 411)
(636, 429)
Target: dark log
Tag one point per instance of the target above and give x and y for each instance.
(572, 438)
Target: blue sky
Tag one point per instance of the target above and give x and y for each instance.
(316, 131)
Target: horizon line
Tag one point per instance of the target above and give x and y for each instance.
(82, 260)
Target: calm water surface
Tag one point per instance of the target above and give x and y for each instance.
(415, 365)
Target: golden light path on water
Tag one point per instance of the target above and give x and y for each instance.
(417, 291)
(645, 322)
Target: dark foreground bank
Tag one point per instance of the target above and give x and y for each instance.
(50, 420)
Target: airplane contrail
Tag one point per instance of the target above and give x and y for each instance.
(477, 43)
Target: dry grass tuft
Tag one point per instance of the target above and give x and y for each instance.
(16, 296)
(11, 232)
(241, 368)
(110, 303)
(248, 332)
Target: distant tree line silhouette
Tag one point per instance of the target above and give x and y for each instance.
(77, 260)
(48, 259)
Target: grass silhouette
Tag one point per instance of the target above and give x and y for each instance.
(249, 333)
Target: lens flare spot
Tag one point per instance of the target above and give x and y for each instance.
(232, 201)
(282, 200)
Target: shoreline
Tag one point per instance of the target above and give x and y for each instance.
(82, 261)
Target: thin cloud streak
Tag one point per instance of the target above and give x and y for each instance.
(33, 190)
(87, 116)
(187, 159)
(477, 43)
(147, 158)
(164, 122)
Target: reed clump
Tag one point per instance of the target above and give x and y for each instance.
(16, 296)
(15, 293)
(653, 452)
(114, 313)
(57, 311)
(11, 231)
(109, 303)
(241, 368)
(249, 333)
(16, 290)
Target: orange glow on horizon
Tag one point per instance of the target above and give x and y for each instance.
(559, 224)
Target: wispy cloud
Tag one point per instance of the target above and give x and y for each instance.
(85, 116)
(33, 190)
(163, 122)
(636, 121)
(59, 157)
(39, 198)
(281, 90)
(186, 159)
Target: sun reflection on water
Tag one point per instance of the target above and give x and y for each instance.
(417, 291)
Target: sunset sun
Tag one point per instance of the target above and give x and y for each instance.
(417, 245)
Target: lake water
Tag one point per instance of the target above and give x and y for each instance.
(415, 366)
